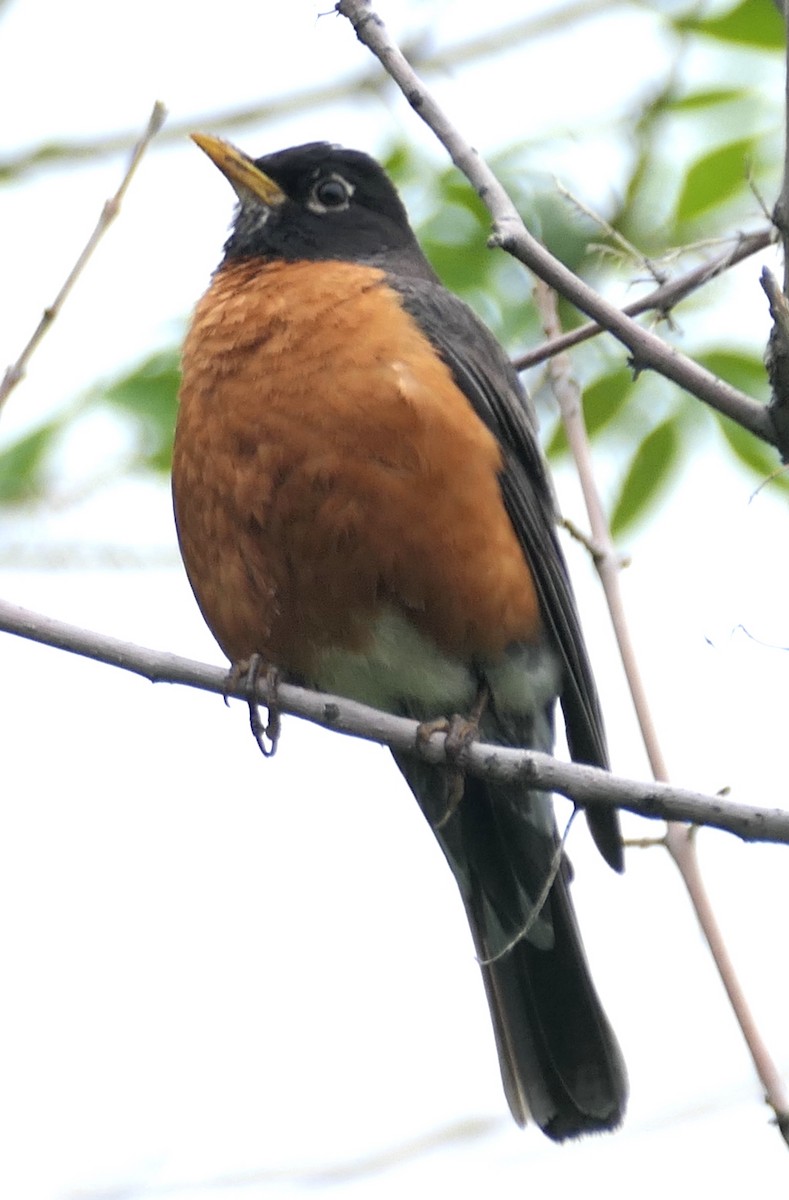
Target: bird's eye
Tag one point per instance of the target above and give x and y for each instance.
(332, 192)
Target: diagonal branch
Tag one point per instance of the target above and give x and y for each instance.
(581, 784)
(109, 212)
(510, 233)
(661, 299)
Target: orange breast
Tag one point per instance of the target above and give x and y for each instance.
(326, 465)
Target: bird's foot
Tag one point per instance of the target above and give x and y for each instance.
(461, 731)
(248, 674)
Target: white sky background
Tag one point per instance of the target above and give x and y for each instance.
(233, 977)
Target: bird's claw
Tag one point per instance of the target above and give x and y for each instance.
(460, 732)
(248, 674)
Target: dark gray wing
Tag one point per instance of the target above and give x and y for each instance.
(484, 374)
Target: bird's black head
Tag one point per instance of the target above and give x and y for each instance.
(316, 201)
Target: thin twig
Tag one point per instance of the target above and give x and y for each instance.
(679, 839)
(510, 233)
(661, 300)
(606, 559)
(626, 248)
(681, 845)
(539, 901)
(777, 357)
(109, 212)
(582, 784)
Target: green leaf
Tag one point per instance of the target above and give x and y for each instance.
(149, 394)
(397, 161)
(151, 386)
(713, 178)
(742, 370)
(602, 400)
(750, 23)
(706, 98)
(462, 269)
(454, 189)
(23, 464)
(753, 453)
(455, 245)
(566, 232)
(647, 475)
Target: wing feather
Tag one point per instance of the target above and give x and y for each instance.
(486, 377)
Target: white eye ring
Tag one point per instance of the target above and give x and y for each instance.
(330, 193)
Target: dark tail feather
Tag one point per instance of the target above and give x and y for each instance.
(559, 1058)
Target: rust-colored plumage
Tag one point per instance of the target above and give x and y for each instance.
(327, 477)
(361, 502)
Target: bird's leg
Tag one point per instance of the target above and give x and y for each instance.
(248, 674)
(460, 732)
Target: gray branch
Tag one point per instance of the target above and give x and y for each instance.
(661, 300)
(777, 356)
(583, 785)
(510, 233)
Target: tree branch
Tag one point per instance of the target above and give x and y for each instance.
(679, 840)
(606, 560)
(661, 300)
(510, 233)
(109, 212)
(777, 357)
(581, 784)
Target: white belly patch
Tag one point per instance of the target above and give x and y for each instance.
(404, 668)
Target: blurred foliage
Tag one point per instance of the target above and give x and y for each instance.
(647, 473)
(24, 464)
(148, 396)
(695, 152)
(752, 23)
(713, 178)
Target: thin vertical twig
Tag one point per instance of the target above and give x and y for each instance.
(777, 357)
(109, 212)
(606, 559)
(662, 300)
(680, 840)
(681, 845)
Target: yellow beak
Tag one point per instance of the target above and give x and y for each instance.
(240, 171)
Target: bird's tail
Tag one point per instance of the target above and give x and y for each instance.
(560, 1061)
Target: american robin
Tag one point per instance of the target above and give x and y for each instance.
(362, 504)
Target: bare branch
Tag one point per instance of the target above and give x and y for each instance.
(510, 233)
(661, 300)
(606, 559)
(679, 840)
(622, 247)
(581, 784)
(777, 357)
(681, 845)
(109, 212)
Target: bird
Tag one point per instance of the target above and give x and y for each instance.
(362, 505)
